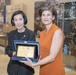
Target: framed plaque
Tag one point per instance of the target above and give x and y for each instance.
(30, 49)
(26, 50)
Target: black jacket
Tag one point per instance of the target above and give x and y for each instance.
(15, 67)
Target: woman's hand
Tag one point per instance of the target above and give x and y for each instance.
(14, 53)
(28, 62)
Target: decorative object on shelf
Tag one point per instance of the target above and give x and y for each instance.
(72, 44)
(73, 24)
(65, 49)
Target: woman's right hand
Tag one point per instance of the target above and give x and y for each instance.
(14, 53)
(28, 62)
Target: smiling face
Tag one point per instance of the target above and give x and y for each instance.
(47, 17)
(19, 21)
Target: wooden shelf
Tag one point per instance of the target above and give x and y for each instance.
(8, 28)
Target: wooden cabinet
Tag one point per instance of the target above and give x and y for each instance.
(8, 28)
(73, 52)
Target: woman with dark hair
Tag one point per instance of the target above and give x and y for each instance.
(51, 44)
(19, 20)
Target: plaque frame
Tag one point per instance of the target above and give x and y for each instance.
(27, 43)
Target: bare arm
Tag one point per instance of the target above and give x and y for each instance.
(54, 49)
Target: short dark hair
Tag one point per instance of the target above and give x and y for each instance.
(50, 8)
(16, 13)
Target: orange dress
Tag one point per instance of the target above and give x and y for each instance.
(56, 67)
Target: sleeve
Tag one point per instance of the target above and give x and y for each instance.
(8, 48)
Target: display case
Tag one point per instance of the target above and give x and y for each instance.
(67, 21)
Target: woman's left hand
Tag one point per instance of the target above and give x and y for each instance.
(27, 62)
